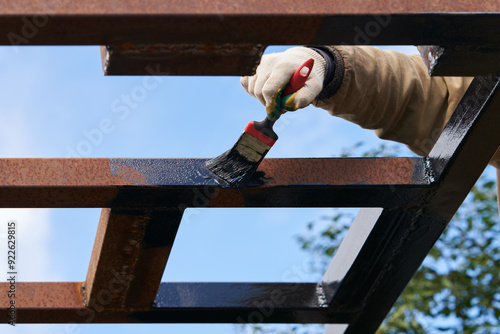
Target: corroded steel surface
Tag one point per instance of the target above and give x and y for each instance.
(103, 172)
(95, 7)
(181, 183)
(42, 302)
(335, 171)
(181, 59)
(155, 30)
(177, 303)
(278, 22)
(128, 258)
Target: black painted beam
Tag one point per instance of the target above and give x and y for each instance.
(461, 60)
(241, 303)
(390, 244)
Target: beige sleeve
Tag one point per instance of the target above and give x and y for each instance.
(392, 93)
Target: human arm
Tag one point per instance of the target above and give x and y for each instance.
(387, 91)
(391, 93)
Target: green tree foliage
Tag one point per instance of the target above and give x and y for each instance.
(457, 288)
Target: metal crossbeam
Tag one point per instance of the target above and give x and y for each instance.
(448, 60)
(181, 183)
(107, 22)
(178, 303)
(229, 37)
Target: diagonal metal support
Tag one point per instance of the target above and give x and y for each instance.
(392, 243)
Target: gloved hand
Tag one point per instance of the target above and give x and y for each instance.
(273, 74)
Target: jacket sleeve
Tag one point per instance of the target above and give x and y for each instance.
(391, 93)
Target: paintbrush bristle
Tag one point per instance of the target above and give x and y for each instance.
(236, 166)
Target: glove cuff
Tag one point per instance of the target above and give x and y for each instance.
(330, 63)
(333, 85)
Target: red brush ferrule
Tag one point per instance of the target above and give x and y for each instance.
(251, 130)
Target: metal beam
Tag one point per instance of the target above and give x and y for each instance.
(181, 183)
(462, 60)
(181, 59)
(129, 256)
(243, 303)
(42, 302)
(168, 37)
(392, 243)
(177, 303)
(218, 22)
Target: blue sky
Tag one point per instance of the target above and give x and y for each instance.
(51, 97)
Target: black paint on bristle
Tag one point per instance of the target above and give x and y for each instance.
(232, 168)
(236, 167)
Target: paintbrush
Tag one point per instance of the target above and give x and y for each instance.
(234, 168)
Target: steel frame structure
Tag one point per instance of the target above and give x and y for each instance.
(407, 202)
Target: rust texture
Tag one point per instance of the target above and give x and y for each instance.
(159, 37)
(181, 183)
(282, 22)
(40, 302)
(128, 258)
(181, 59)
(340, 171)
(103, 172)
(95, 7)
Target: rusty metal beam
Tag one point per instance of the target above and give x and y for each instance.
(181, 37)
(181, 59)
(240, 57)
(251, 7)
(42, 302)
(181, 183)
(235, 33)
(129, 256)
(291, 22)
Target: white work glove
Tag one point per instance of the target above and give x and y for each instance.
(274, 72)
